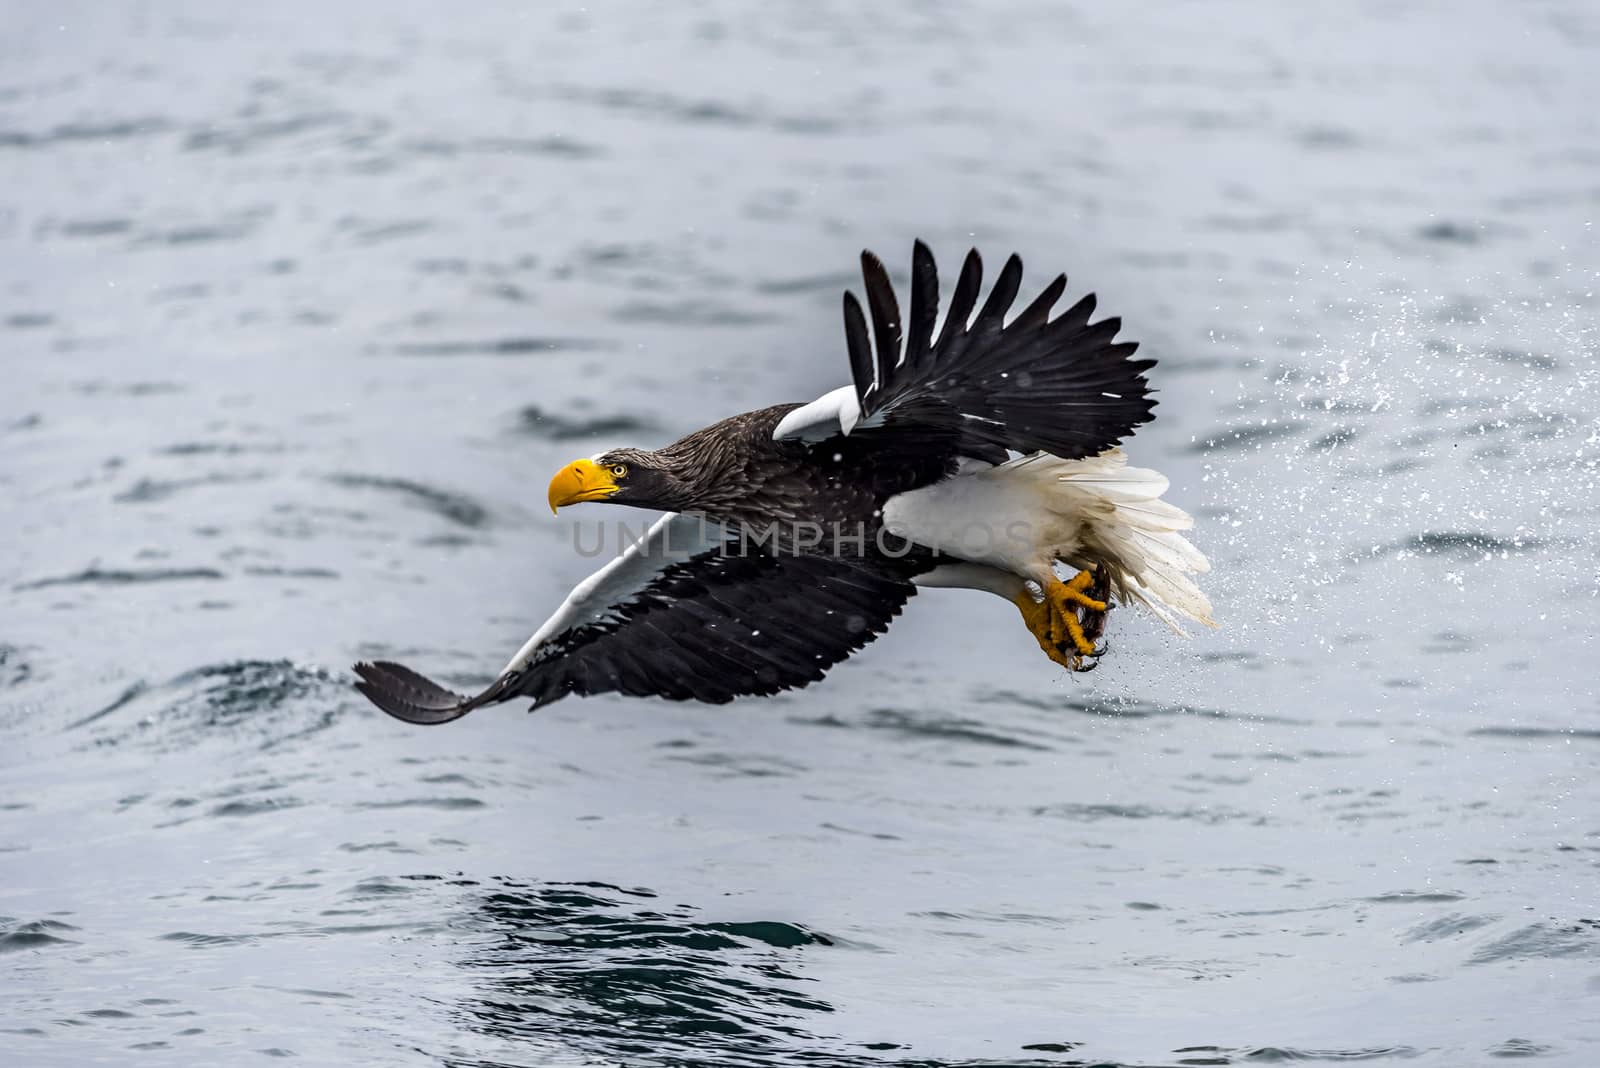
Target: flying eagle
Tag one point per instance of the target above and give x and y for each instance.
(978, 453)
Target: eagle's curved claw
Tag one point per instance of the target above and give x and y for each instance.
(1087, 663)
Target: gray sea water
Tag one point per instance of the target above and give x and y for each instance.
(301, 304)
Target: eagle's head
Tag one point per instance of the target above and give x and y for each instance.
(620, 476)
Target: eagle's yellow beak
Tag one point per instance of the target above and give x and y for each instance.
(581, 480)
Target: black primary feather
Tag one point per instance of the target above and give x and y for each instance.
(1065, 386)
(924, 315)
(962, 301)
(858, 344)
(885, 309)
(717, 627)
(711, 628)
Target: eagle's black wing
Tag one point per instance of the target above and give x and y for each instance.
(1063, 386)
(709, 624)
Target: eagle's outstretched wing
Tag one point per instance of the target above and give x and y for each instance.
(1062, 386)
(682, 614)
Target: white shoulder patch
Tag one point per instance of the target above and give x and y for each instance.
(835, 412)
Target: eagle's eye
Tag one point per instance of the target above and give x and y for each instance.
(620, 470)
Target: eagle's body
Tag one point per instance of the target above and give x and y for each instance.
(795, 533)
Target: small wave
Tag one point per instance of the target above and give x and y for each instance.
(89, 228)
(387, 846)
(14, 667)
(1458, 404)
(536, 421)
(743, 765)
(456, 507)
(232, 227)
(1287, 1055)
(1232, 439)
(692, 312)
(309, 129)
(108, 130)
(1096, 813)
(364, 231)
(151, 490)
(562, 963)
(1220, 1055)
(1465, 544)
(1335, 438)
(206, 941)
(292, 572)
(447, 804)
(380, 887)
(265, 702)
(98, 576)
(315, 995)
(1544, 941)
(1535, 426)
(1114, 706)
(101, 388)
(34, 934)
(1578, 733)
(1539, 361)
(255, 806)
(1453, 925)
(556, 146)
(1416, 897)
(1519, 1047)
(1328, 136)
(217, 448)
(915, 726)
(1446, 232)
(817, 283)
(656, 104)
(505, 346)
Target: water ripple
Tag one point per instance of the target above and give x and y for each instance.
(1547, 940)
(504, 346)
(34, 934)
(264, 702)
(558, 964)
(458, 508)
(555, 426)
(98, 576)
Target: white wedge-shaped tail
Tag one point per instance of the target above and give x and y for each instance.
(1135, 533)
(1039, 510)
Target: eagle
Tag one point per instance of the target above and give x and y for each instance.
(977, 451)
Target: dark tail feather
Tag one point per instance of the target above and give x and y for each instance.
(407, 696)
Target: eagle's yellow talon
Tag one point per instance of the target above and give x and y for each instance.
(1057, 627)
(1054, 624)
(1063, 597)
(1071, 592)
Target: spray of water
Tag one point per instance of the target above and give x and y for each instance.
(1405, 471)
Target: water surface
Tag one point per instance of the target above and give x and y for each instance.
(300, 306)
